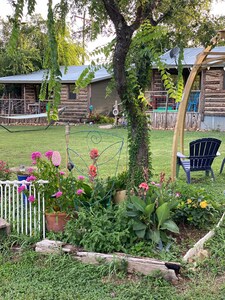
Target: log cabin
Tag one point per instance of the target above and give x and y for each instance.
(21, 95)
(206, 105)
(205, 111)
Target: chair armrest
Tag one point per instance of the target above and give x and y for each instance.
(180, 155)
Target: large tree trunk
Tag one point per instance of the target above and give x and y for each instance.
(138, 135)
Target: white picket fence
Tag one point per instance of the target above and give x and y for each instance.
(24, 217)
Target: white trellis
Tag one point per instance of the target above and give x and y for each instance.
(24, 217)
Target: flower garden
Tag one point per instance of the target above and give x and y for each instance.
(157, 219)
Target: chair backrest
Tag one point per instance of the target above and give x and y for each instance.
(202, 153)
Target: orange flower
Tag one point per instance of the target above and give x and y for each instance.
(92, 171)
(203, 204)
(94, 153)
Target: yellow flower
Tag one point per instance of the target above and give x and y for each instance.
(203, 204)
(189, 201)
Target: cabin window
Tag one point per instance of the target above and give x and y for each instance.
(197, 83)
(71, 93)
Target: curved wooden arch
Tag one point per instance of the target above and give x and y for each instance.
(180, 124)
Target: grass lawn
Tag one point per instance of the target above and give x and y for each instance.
(16, 148)
(30, 276)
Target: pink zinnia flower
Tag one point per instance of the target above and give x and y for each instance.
(94, 153)
(31, 178)
(81, 177)
(34, 162)
(153, 182)
(31, 198)
(48, 154)
(79, 191)
(58, 194)
(30, 170)
(35, 155)
(21, 188)
(144, 186)
(62, 173)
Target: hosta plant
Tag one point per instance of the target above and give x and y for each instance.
(150, 208)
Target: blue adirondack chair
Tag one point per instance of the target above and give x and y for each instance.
(201, 155)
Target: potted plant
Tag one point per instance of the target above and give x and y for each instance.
(120, 187)
(58, 192)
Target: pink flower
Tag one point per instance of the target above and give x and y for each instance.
(81, 177)
(31, 198)
(31, 178)
(177, 195)
(94, 153)
(30, 170)
(34, 162)
(79, 192)
(58, 194)
(144, 186)
(35, 155)
(153, 182)
(158, 184)
(48, 154)
(21, 188)
(62, 173)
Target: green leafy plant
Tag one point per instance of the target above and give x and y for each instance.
(101, 229)
(195, 207)
(150, 209)
(120, 181)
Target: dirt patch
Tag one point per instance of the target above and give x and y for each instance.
(188, 236)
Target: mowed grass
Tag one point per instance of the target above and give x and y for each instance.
(16, 149)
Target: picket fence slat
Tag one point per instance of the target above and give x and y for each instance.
(25, 217)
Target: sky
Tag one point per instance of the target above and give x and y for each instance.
(218, 8)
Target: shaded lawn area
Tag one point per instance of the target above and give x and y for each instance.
(60, 277)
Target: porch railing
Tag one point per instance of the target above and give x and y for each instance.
(24, 217)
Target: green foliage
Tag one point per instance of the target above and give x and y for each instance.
(151, 213)
(100, 119)
(101, 229)
(196, 206)
(120, 182)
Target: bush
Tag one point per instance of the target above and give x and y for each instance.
(195, 207)
(101, 229)
(100, 119)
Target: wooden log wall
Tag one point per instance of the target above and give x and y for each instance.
(214, 102)
(76, 109)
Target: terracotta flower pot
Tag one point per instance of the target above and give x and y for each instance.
(120, 196)
(56, 221)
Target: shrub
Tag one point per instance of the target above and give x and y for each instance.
(100, 119)
(101, 229)
(195, 207)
